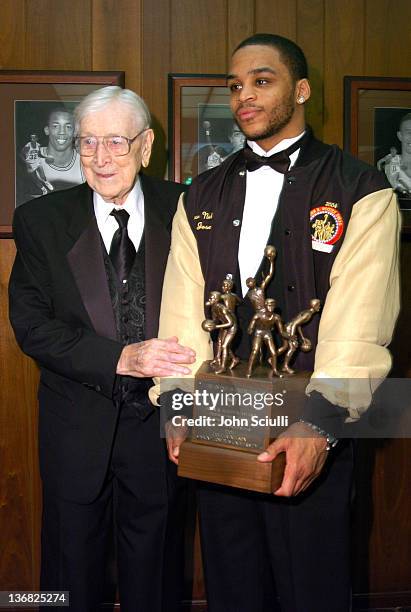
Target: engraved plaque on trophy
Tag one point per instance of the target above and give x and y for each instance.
(239, 408)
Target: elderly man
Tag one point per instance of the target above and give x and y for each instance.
(279, 191)
(84, 303)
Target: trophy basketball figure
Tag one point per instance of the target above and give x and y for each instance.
(261, 325)
(264, 322)
(225, 321)
(293, 331)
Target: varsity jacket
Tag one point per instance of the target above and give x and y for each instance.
(336, 231)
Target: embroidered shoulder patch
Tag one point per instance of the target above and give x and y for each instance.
(326, 227)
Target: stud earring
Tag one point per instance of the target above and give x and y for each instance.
(301, 100)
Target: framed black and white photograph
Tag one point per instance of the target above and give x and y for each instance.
(202, 132)
(392, 135)
(218, 136)
(46, 159)
(36, 133)
(377, 129)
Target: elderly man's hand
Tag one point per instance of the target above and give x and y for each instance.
(155, 357)
(305, 458)
(175, 436)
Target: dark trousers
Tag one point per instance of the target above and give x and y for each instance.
(262, 553)
(136, 499)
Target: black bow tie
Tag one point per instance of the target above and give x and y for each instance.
(278, 161)
(122, 251)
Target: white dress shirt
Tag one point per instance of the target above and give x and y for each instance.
(107, 224)
(261, 200)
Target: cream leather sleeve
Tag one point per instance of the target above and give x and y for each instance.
(182, 304)
(361, 307)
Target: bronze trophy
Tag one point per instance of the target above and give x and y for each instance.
(227, 436)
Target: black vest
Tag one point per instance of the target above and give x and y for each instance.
(128, 299)
(128, 302)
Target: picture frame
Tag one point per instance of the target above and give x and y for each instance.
(29, 101)
(202, 132)
(377, 130)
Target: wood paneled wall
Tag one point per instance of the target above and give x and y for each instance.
(148, 39)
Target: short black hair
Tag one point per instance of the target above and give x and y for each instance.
(290, 53)
(59, 108)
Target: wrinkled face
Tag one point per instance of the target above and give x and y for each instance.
(263, 95)
(404, 135)
(60, 130)
(114, 177)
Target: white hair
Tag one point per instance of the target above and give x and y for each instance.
(100, 98)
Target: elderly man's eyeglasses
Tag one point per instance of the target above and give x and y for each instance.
(86, 146)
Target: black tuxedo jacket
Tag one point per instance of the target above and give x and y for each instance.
(62, 316)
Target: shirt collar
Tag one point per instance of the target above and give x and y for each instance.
(280, 146)
(134, 204)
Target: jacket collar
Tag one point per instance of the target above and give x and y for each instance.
(86, 262)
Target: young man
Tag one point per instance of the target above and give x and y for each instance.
(293, 545)
(61, 163)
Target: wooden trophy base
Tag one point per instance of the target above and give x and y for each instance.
(223, 446)
(231, 467)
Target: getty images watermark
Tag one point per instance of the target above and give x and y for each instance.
(384, 407)
(223, 408)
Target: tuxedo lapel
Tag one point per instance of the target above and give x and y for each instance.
(86, 262)
(157, 245)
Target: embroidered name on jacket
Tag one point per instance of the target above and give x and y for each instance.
(203, 220)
